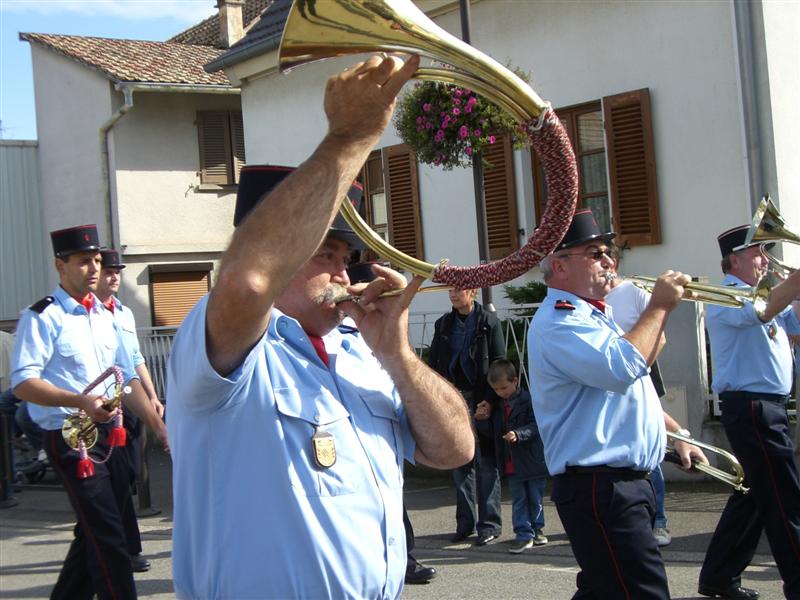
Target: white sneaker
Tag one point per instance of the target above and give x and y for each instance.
(663, 538)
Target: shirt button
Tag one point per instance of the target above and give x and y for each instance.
(316, 417)
(391, 541)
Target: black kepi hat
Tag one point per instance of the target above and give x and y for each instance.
(583, 229)
(255, 183)
(733, 240)
(361, 272)
(110, 259)
(74, 239)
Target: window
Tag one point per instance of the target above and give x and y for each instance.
(501, 199)
(175, 289)
(221, 140)
(613, 144)
(391, 198)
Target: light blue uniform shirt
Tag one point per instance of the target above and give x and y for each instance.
(127, 326)
(747, 354)
(593, 400)
(68, 347)
(254, 516)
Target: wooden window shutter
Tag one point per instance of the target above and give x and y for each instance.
(214, 137)
(632, 167)
(501, 199)
(237, 143)
(402, 193)
(174, 294)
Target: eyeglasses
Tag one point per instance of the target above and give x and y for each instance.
(594, 255)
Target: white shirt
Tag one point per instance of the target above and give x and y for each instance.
(628, 302)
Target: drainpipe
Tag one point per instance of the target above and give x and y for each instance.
(753, 80)
(105, 128)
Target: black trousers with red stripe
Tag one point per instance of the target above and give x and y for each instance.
(758, 431)
(97, 561)
(608, 518)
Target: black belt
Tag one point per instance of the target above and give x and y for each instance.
(621, 472)
(779, 398)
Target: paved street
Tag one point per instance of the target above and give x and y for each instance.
(35, 534)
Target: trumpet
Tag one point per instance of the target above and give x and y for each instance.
(722, 295)
(78, 429)
(735, 478)
(341, 295)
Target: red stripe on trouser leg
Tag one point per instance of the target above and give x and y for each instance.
(617, 569)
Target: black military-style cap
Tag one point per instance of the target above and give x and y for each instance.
(361, 272)
(74, 239)
(583, 229)
(255, 183)
(110, 259)
(733, 240)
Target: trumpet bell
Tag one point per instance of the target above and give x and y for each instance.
(318, 30)
(769, 226)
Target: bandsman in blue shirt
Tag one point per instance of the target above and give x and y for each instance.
(600, 417)
(64, 342)
(107, 289)
(752, 374)
(288, 433)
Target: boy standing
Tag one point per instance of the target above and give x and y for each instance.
(524, 457)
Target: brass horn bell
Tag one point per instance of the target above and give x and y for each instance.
(769, 226)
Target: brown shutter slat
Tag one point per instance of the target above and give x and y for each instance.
(402, 196)
(174, 294)
(237, 143)
(500, 198)
(214, 139)
(632, 167)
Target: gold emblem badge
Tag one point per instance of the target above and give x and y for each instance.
(324, 446)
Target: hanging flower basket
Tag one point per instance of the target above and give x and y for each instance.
(446, 125)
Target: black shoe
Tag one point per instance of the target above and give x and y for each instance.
(460, 536)
(419, 573)
(733, 591)
(139, 564)
(484, 539)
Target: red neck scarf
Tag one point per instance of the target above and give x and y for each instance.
(319, 346)
(110, 304)
(596, 303)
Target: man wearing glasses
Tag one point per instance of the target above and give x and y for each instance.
(600, 417)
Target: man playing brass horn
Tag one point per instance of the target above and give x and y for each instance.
(752, 362)
(288, 433)
(600, 417)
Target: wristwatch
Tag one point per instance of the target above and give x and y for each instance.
(684, 432)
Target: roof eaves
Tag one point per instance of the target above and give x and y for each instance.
(31, 39)
(241, 54)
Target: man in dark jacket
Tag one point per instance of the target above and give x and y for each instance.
(465, 342)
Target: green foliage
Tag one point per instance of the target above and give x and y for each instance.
(446, 124)
(530, 293)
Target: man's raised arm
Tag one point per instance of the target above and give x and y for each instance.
(281, 234)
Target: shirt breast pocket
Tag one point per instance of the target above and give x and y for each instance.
(300, 418)
(386, 423)
(70, 348)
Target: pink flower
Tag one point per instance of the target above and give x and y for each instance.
(477, 133)
(468, 108)
(459, 91)
(419, 120)
(463, 132)
(428, 125)
(472, 100)
(445, 121)
(492, 139)
(426, 107)
(456, 102)
(468, 150)
(439, 136)
(456, 111)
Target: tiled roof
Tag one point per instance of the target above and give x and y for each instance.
(136, 61)
(206, 33)
(264, 36)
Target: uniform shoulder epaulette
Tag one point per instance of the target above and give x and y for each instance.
(348, 329)
(39, 306)
(564, 305)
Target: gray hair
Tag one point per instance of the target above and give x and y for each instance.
(546, 267)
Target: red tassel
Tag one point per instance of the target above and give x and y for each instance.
(85, 465)
(118, 436)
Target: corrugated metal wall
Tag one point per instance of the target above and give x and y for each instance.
(23, 275)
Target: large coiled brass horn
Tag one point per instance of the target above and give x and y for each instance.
(734, 477)
(769, 226)
(78, 428)
(316, 30)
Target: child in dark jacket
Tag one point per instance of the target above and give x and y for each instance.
(524, 457)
